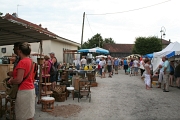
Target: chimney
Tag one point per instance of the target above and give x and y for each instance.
(45, 28)
(40, 25)
(15, 15)
(169, 40)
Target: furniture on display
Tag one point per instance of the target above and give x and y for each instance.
(71, 89)
(46, 82)
(60, 93)
(84, 89)
(4, 69)
(2, 107)
(47, 104)
(10, 108)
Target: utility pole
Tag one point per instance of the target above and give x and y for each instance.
(99, 41)
(82, 29)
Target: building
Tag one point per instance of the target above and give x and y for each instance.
(165, 43)
(119, 50)
(124, 50)
(57, 45)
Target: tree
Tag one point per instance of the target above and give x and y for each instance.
(108, 40)
(145, 45)
(96, 41)
(1, 13)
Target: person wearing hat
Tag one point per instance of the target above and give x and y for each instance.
(53, 78)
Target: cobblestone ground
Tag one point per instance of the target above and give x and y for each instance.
(123, 98)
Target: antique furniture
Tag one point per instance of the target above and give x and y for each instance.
(60, 93)
(84, 89)
(71, 89)
(46, 83)
(47, 104)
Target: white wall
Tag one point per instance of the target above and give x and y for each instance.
(55, 46)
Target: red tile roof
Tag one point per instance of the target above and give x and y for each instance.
(34, 26)
(118, 48)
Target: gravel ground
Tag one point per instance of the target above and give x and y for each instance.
(122, 98)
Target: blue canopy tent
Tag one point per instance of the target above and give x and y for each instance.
(94, 50)
(171, 54)
(149, 55)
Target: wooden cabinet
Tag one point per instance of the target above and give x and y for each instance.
(4, 69)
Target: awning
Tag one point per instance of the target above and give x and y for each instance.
(94, 50)
(13, 31)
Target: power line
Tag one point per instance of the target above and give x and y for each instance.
(132, 9)
(89, 25)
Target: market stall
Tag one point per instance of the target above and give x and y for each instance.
(91, 75)
(12, 32)
(171, 50)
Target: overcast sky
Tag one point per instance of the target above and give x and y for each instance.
(64, 17)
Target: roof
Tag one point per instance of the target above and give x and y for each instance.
(12, 31)
(118, 48)
(27, 23)
(166, 42)
(39, 28)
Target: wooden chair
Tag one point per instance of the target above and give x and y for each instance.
(84, 89)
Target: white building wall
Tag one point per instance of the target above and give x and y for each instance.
(55, 46)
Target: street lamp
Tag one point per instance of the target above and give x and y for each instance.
(163, 30)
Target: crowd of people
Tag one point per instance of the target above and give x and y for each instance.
(168, 72)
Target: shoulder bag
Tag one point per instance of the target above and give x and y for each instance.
(12, 90)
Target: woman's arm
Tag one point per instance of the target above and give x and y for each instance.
(19, 78)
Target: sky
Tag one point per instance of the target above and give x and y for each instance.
(64, 18)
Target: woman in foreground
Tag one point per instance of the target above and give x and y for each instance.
(22, 75)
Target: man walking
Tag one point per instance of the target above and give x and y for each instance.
(166, 75)
(161, 72)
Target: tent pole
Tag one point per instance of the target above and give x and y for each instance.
(40, 74)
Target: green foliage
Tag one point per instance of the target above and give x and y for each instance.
(109, 40)
(146, 45)
(1, 13)
(96, 41)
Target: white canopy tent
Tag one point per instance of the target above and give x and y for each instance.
(172, 47)
(100, 56)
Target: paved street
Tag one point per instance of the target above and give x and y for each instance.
(123, 98)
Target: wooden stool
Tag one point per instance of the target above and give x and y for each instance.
(47, 104)
(71, 89)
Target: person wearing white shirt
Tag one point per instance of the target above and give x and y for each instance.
(83, 62)
(135, 65)
(102, 64)
(161, 73)
(142, 66)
